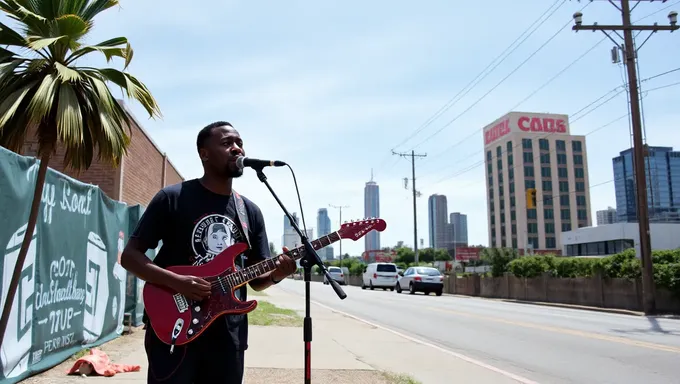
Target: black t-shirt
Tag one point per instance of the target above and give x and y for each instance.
(194, 225)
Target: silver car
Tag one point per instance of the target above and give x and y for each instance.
(336, 274)
(421, 279)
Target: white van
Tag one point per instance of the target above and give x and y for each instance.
(380, 275)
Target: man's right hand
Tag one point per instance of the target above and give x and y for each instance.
(191, 287)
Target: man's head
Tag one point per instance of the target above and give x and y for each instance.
(219, 144)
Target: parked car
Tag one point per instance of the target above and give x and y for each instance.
(336, 274)
(380, 275)
(421, 279)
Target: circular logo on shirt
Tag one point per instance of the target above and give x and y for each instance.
(212, 235)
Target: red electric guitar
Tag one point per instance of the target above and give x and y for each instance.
(177, 320)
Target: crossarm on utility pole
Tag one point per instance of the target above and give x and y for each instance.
(413, 156)
(649, 302)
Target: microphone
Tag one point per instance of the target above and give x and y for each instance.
(242, 162)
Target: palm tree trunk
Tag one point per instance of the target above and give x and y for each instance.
(32, 220)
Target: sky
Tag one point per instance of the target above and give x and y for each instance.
(332, 88)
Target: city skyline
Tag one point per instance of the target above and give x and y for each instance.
(291, 96)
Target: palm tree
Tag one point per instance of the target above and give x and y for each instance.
(42, 89)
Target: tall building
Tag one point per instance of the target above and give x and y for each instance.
(290, 237)
(533, 150)
(372, 209)
(606, 216)
(323, 228)
(286, 222)
(662, 173)
(459, 236)
(437, 213)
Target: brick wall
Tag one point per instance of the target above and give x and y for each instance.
(100, 174)
(143, 171)
(172, 175)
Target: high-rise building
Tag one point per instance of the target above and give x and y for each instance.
(286, 222)
(323, 228)
(290, 237)
(372, 209)
(662, 173)
(524, 151)
(606, 216)
(437, 213)
(459, 236)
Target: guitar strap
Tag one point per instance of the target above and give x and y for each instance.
(243, 219)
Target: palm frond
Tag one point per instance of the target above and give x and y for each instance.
(10, 37)
(97, 7)
(110, 48)
(65, 103)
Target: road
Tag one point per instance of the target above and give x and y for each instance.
(540, 343)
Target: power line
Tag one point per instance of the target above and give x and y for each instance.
(480, 163)
(585, 107)
(630, 52)
(538, 89)
(475, 81)
(505, 151)
(455, 99)
(498, 84)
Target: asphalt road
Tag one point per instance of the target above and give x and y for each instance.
(544, 344)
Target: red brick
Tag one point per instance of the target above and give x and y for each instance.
(144, 170)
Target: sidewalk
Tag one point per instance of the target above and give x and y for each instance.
(344, 350)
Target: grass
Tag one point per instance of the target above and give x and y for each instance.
(268, 314)
(252, 292)
(396, 378)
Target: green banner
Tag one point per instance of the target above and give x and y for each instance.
(73, 292)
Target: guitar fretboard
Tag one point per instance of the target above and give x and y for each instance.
(245, 275)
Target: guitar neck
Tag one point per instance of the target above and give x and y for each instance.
(254, 271)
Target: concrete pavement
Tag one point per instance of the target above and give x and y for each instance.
(543, 344)
(344, 350)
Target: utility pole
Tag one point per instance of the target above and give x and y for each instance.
(639, 152)
(413, 156)
(340, 207)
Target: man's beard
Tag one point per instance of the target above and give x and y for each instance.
(233, 173)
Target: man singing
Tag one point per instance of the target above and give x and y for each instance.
(196, 220)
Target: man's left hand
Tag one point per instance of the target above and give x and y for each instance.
(285, 266)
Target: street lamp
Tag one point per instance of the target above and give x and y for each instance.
(578, 18)
(673, 17)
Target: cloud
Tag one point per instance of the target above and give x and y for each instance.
(331, 87)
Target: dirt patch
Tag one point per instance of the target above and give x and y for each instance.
(336, 376)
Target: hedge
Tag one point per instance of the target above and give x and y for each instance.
(622, 265)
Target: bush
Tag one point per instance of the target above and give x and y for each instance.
(623, 265)
(532, 266)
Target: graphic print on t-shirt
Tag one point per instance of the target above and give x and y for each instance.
(211, 235)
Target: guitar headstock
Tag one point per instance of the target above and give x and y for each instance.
(357, 229)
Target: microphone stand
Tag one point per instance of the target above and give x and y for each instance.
(308, 260)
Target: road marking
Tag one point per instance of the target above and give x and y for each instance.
(588, 335)
(470, 360)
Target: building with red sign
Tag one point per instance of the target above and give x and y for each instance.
(536, 179)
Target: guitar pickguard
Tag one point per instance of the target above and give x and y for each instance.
(205, 312)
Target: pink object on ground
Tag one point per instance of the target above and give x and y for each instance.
(97, 361)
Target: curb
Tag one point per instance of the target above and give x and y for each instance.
(616, 311)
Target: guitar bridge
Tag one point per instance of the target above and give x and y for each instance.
(181, 302)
